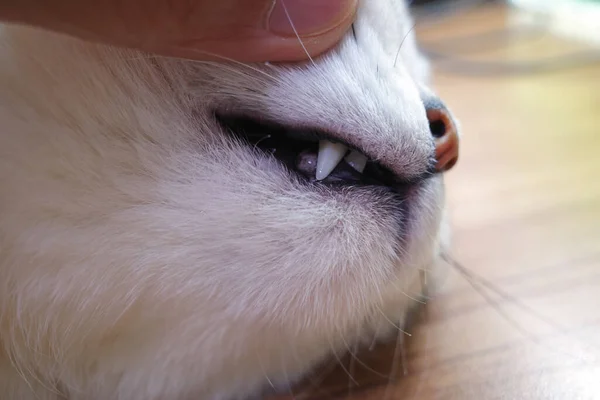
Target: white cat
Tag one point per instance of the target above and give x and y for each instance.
(163, 234)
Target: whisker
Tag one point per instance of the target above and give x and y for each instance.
(402, 42)
(406, 294)
(295, 31)
(393, 324)
(399, 354)
(421, 378)
(352, 369)
(360, 362)
(342, 364)
(423, 278)
(222, 66)
(403, 359)
(479, 283)
(260, 140)
(287, 380)
(482, 281)
(208, 53)
(374, 341)
(260, 364)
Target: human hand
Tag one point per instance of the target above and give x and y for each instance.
(243, 30)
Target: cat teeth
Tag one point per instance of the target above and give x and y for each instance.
(330, 154)
(356, 160)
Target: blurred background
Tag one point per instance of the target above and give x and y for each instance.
(518, 315)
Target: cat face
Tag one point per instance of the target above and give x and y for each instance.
(174, 228)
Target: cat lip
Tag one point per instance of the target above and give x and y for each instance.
(313, 154)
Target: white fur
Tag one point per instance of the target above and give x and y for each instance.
(146, 255)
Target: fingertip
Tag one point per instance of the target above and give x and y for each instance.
(313, 27)
(309, 18)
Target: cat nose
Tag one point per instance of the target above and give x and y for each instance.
(445, 134)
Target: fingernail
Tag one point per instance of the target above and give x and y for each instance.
(308, 17)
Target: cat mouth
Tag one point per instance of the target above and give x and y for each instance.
(313, 154)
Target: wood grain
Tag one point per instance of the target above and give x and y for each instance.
(525, 207)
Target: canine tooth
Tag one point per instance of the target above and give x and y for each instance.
(356, 160)
(330, 154)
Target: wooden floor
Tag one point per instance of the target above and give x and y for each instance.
(525, 206)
